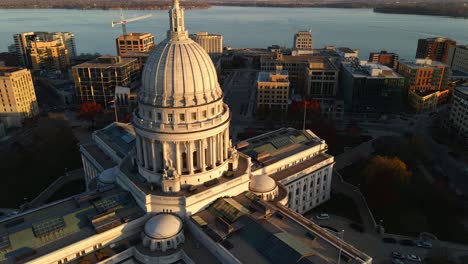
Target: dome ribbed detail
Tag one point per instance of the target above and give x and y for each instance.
(179, 73)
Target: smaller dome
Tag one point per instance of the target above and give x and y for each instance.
(262, 183)
(163, 226)
(108, 176)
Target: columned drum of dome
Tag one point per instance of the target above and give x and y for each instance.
(182, 123)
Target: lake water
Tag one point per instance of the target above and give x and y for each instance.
(245, 27)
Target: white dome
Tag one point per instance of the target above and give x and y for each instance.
(262, 184)
(163, 226)
(179, 73)
(108, 176)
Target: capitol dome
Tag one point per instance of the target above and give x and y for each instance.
(179, 72)
(262, 184)
(163, 226)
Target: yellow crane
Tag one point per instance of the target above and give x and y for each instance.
(124, 21)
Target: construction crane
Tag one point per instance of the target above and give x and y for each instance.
(124, 21)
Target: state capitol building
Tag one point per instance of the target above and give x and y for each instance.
(172, 188)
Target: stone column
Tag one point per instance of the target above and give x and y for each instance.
(145, 153)
(178, 165)
(202, 154)
(153, 153)
(220, 148)
(163, 157)
(226, 143)
(190, 157)
(138, 149)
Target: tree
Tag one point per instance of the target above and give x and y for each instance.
(89, 110)
(385, 177)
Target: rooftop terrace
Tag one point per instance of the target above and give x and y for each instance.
(271, 147)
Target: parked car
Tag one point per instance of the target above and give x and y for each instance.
(397, 255)
(322, 216)
(389, 240)
(407, 242)
(423, 244)
(413, 258)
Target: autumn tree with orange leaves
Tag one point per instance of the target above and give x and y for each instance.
(89, 110)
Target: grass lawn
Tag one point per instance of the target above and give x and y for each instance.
(340, 205)
(420, 207)
(67, 190)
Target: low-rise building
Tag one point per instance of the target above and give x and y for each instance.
(459, 111)
(273, 90)
(421, 101)
(371, 87)
(383, 57)
(96, 80)
(424, 74)
(17, 96)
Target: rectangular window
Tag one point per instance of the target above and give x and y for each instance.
(182, 117)
(194, 116)
(204, 113)
(170, 118)
(159, 116)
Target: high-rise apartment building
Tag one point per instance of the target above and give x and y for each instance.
(134, 43)
(49, 56)
(24, 41)
(273, 90)
(459, 111)
(96, 80)
(371, 87)
(383, 57)
(458, 58)
(211, 43)
(436, 49)
(17, 96)
(303, 40)
(424, 74)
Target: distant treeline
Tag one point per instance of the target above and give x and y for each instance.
(433, 9)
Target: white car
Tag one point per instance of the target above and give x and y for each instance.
(413, 258)
(322, 216)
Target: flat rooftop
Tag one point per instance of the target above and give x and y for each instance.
(273, 146)
(102, 158)
(265, 76)
(422, 63)
(6, 70)
(371, 70)
(256, 231)
(43, 230)
(106, 62)
(119, 136)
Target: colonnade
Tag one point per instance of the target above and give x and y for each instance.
(187, 157)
